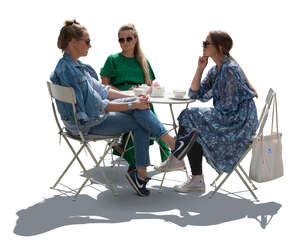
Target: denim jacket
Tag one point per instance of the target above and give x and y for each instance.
(91, 95)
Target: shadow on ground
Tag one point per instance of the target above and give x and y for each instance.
(180, 209)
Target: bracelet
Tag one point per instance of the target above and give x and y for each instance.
(129, 106)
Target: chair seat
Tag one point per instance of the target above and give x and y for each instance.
(89, 137)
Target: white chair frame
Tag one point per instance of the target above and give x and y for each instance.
(67, 95)
(262, 121)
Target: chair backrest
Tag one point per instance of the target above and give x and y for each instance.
(63, 94)
(265, 112)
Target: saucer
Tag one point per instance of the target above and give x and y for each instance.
(183, 98)
(157, 96)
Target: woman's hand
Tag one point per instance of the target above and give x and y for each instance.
(202, 62)
(144, 97)
(148, 82)
(142, 103)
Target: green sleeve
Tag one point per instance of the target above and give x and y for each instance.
(151, 73)
(109, 68)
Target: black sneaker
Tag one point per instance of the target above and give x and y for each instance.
(183, 144)
(138, 184)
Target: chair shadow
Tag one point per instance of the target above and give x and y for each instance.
(180, 209)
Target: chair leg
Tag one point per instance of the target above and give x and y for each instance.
(61, 176)
(110, 145)
(248, 187)
(106, 151)
(235, 169)
(125, 148)
(106, 146)
(219, 186)
(246, 175)
(227, 176)
(218, 177)
(102, 173)
(98, 166)
(78, 159)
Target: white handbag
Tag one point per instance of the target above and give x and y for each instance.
(266, 162)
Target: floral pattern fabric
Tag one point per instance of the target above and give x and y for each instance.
(227, 128)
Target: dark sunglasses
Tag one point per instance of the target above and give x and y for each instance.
(206, 43)
(128, 39)
(87, 41)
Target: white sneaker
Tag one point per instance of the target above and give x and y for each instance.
(196, 183)
(171, 164)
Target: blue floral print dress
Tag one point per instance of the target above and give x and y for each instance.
(227, 128)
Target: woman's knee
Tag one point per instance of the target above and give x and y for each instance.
(185, 111)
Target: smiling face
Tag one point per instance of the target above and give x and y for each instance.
(127, 41)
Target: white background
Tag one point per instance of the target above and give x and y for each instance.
(266, 44)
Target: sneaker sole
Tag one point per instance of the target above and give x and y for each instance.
(188, 147)
(131, 182)
(168, 169)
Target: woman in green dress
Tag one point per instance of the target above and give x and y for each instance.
(126, 70)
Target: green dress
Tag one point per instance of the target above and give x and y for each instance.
(124, 73)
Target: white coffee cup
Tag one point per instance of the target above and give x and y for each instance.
(139, 91)
(144, 86)
(178, 93)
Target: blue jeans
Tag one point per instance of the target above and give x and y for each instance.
(143, 123)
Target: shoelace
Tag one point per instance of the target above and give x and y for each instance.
(188, 181)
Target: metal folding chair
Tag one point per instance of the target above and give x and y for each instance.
(262, 121)
(67, 95)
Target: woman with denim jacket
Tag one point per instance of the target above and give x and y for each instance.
(124, 71)
(102, 110)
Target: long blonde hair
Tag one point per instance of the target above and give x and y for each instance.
(138, 53)
(221, 38)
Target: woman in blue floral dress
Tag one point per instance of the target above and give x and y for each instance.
(226, 129)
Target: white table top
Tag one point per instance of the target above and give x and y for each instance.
(167, 99)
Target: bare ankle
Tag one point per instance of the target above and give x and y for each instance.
(142, 172)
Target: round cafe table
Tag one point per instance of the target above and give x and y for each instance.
(167, 99)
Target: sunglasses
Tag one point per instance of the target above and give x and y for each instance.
(87, 41)
(127, 39)
(206, 43)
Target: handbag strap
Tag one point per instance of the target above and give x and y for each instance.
(265, 113)
(276, 113)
